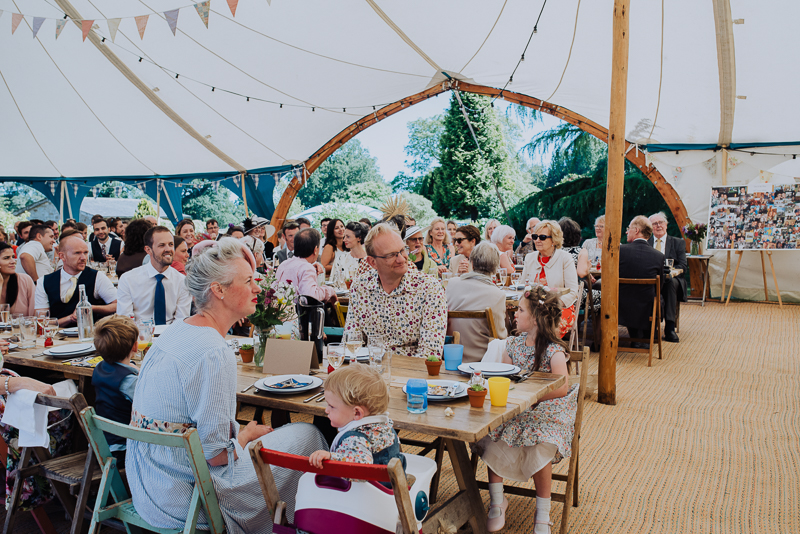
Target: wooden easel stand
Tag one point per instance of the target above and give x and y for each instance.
(763, 272)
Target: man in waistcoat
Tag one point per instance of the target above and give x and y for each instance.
(104, 246)
(58, 291)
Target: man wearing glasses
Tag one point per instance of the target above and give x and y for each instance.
(406, 306)
(673, 290)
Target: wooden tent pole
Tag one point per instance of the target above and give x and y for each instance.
(724, 168)
(61, 205)
(158, 200)
(606, 380)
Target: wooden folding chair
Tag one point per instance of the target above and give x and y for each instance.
(392, 473)
(479, 314)
(655, 319)
(573, 342)
(62, 472)
(341, 313)
(204, 497)
(570, 495)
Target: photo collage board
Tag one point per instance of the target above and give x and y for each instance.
(754, 217)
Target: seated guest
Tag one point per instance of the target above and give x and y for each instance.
(465, 240)
(83, 229)
(133, 255)
(503, 238)
(301, 269)
(334, 244)
(22, 229)
(572, 239)
(185, 230)
(260, 229)
(551, 266)
(256, 246)
(58, 292)
(303, 223)
(323, 230)
(18, 288)
(155, 290)
(437, 244)
(594, 246)
(104, 247)
(348, 265)
(451, 229)
(673, 290)
(638, 259)
(407, 307)
(237, 232)
(418, 254)
(527, 246)
(491, 224)
(189, 380)
(475, 291)
(114, 379)
(365, 221)
(212, 230)
(181, 255)
(32, 255)
(290, 229)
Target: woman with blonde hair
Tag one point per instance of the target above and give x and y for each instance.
(491, 224)
(437, 244)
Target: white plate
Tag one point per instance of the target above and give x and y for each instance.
(460, 392)
(62, 356)
(71, 332)
(159, 329)
(72, 348)
(263, 384)
(513, 295)
(12, 346)
(489, 368)
(342, 292)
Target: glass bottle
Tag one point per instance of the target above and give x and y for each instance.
(85, 319)
(477, 378)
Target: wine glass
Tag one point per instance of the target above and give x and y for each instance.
(446, 276)
(5, 315)
(42, 316)
(112, 268)
(50, 328)
(335, 355)
(515, 279)
(503, 274)
(145, 337)
(352, 342)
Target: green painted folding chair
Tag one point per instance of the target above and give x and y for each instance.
(203, 497)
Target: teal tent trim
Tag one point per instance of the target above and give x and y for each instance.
(672, 147)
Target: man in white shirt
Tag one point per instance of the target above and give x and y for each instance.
(58, 292)
(104, 247)
(155, 290)
(33, 254)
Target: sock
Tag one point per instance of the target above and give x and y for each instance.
(669, 326)
(542, 514)
(496, 492)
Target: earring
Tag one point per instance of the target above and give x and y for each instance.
(222, 298)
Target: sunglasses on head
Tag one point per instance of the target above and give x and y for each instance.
(540, 237)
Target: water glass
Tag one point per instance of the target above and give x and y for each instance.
(380, 359)
(112, 268)
(352, 343)
(16, 320)
(670, 263)
(28, 327)
(50, 328)
(42, 316)
(453, 356)
(5, 314)
(417, 395)
(335, 355)
(515, 278)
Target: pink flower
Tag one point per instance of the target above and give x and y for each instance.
(288, 281)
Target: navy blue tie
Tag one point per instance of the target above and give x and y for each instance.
(160, 303)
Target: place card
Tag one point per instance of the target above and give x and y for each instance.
(289, 356)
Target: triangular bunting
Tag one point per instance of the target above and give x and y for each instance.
(16, 18)
(86, 26)
(172, 19)
(113, 25)
(202, 10)
(269, 2)
(141, 24)
(232, 4)
(60, 23)
(1, 12)
(37, 24)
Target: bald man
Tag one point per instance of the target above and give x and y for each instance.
(58, 292)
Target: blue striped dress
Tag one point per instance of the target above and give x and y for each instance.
(189, 376)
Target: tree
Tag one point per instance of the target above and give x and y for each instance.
(574, 152)
(19, 196)
(423, 143)
(351, 164)
(420, 208)
(371, 194)
(109, 190)
(144, 209)
(201, 201)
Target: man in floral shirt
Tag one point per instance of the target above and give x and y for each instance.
(406, 306)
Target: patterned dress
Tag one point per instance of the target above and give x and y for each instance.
(543, 433)
(189, 380)
(361, 448)
(440, 260)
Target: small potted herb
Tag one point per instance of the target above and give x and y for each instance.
(246, 352)
(434, 364)
(477, 395)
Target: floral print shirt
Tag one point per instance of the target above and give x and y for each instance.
(358, 449)
(440, 260)
(413, 317)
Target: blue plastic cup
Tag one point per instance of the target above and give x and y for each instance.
(453, 356)
(417, 395)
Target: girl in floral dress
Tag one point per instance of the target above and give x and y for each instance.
(529, 444)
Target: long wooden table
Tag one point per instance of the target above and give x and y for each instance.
(467, 425)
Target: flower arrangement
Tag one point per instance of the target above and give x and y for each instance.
(275, 306)
(695, 232)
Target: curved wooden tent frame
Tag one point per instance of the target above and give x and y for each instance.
(637, 157)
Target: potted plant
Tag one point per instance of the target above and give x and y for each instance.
(477, 395)
(246, 352)
(433, 363)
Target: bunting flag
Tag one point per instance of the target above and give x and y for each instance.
(75, 186)
(269, 3)
(16, 18)
(113, 26)
(1, 12)
(86, 25)
(233, 4)
(202, 10)
(141, 24)
(172, 19)
(60, 23)
(255, 179)
(52, 184)
(37, 23)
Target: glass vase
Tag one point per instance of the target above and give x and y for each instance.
(263, 335)
(695, 251)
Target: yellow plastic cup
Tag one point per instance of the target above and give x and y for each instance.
(498, 390)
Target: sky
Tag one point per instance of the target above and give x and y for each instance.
(387, 139)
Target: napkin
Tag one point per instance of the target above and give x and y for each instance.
(30, 418)
(494, 352)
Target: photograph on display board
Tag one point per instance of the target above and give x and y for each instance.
(754, 217)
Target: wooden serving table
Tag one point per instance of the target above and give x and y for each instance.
(467, 425)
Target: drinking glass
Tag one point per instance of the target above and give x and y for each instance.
(112, 268)
(352, 342)
(380, 359)
(503, 272)
(16, 320)
(145, 336)
(50, 328)
(417, 395)
(515, 278)
(335, 355)
(28, 327)
(42, 316)
(446, 279)
(670, 263)
(5, 315)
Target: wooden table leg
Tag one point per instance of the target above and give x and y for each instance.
(462, 469)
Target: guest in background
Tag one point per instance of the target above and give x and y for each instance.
(572, 239)
(256, 246)
(451, 229)
(237, 232)
(212, 230)
(303, 223)
(18, 288)
(289, 230)
(134, 254)
(323, 225)
(467, 237)
(418, 254)
(3, 235)
(32, 255)
(503, 238)
(527, 246)
(22, 229)
(594, 246)
(673, 290)
(302, 270)
(334, 244)
(83, 229)
(347, 265)
(491, 224)
(104, 247)
(185, 230)
(366, 222)
(475, 290)
(638, 259)
(437, 244)
(181, 256)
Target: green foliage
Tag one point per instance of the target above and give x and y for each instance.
(372, 194)
(106, 190)
(8, 219)
(144, 209)
(420, 208)
(338, 210)
(350, 164)
(575, 152)
(201, 202)
(423, 144)
(19, 196)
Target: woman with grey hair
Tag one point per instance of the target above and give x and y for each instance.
(188, 380)
(594, 246)
(503, 238)
(473, 291)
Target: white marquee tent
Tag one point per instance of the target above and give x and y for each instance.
(265, 89)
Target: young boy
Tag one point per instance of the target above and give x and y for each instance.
(116, 339)
(357, 402)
